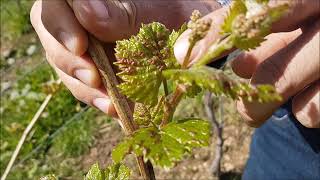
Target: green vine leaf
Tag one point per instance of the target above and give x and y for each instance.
(114, 172)
(217, 82)
(168, 145)
(237, 8)
(94, 173)
(192, 91)
(145, 92)
(117, 172)
(141, 60)
(144, 115)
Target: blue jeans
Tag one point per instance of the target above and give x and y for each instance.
(283, 149)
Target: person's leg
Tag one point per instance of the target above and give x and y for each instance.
(284, 149)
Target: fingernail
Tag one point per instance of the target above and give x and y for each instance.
(103, 104)
(84, 75)
(68, 41)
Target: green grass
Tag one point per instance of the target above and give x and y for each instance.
(14, 18)
(58, 137)
(14, 23)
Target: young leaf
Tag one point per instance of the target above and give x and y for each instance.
(142, 87)
(144, 115)
(237, 8)
(219, 83)
(141, 60)
(94, 173)
(141, 115)
(113, 172)
(117, 172)
(165, 146)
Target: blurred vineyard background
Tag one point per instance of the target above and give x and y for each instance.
(70, 136)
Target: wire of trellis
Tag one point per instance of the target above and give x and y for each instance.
(24, 136)
(52, 136)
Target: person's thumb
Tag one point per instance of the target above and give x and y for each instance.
(114, 20)
(66, 30)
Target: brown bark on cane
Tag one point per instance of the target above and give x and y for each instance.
(120, 102)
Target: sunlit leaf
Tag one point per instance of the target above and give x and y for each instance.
(94, 173)
(220, 83)
(113, 172)
(144, 115)
(237, 7)
(168, 145)
(141, 60)
(117, 172)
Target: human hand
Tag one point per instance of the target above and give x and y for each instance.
(63, 35)
(288, 59)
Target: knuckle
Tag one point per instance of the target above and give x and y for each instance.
(83, 97)
(77, 89)
(54, 59)
(51, 61)
(77, 95)
(58, 59)
(243, 111)
(271, 72)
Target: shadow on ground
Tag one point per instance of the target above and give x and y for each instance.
(230, 176)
